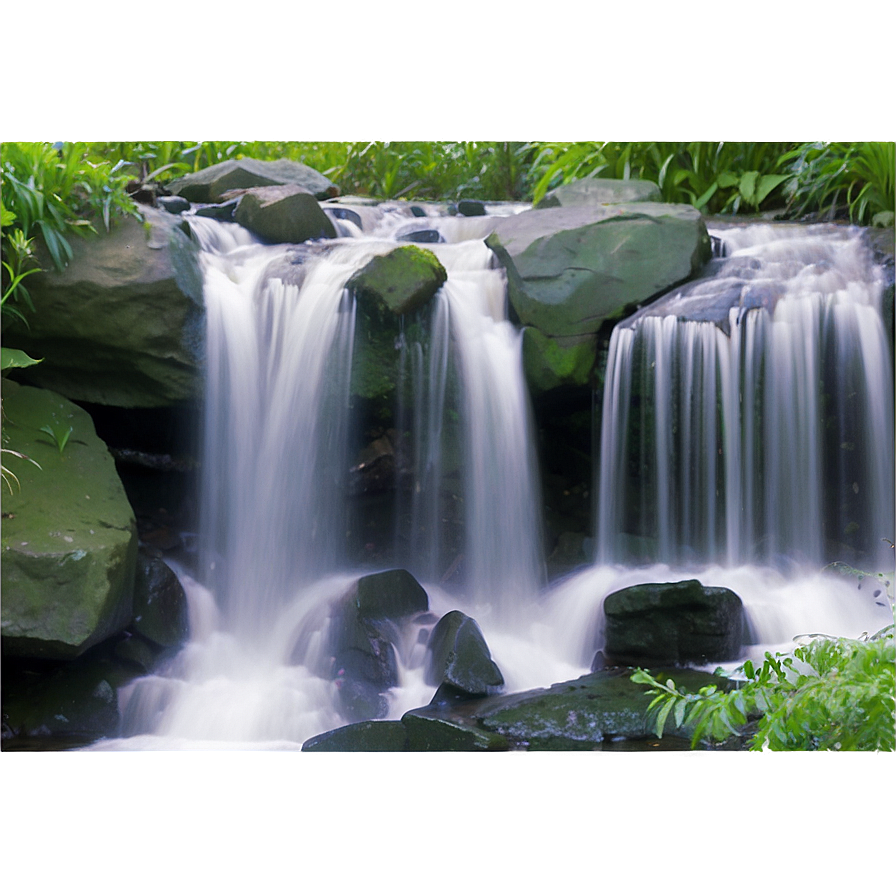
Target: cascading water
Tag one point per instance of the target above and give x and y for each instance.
(720, 438)
(748, 417)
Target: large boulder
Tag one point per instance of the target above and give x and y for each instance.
(210, 184)
(601, 191)
(459, 657)
(399, 282)
(69, 535)
(124, 323)
(671, 623)
(571, 270)
(283, 214)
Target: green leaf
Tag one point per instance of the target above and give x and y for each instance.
(13, 357)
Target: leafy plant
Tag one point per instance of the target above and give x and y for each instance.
(10, 358)
(59, 434)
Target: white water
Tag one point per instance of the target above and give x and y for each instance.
(255, 674)
(773, 440)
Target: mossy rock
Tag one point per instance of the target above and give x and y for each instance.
(550, 362)
(361, 737)
(459, 656)
(399, 282)
(428, 731)
(69, 535)
(392, 594)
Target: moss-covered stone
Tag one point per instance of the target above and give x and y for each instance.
(429, 731)
(550, 362)
(361, 737)
(69, 540)
(399, 282)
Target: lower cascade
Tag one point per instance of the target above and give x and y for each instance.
(746, 417)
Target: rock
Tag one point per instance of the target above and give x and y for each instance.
(123, 324)
(601, 191)
(471, 208)
(283, 214)
(174, 205)
(209, 184)
(572, 270)
(160, 604)
(78, 703)
(224, 211)
(679, 622)
(399, 282)
(584, 713)
(430, 732)
(459, 656)
(420, 236)
(394, 594)
(553, 361)
(69, 535)
(361, 737)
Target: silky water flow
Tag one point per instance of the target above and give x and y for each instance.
(715, 461)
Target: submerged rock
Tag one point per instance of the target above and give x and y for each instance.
(458, 656)
(283, 214)
(69, 534)
(571, 270)
(671, 623)
(399, 282)
(124, 323)
(601, 191)
(210, 184)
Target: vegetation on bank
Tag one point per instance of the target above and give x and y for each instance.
(51, 191)
(829, 694)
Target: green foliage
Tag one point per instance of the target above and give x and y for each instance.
(49, 193)
(59, 434)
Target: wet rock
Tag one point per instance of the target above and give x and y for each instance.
(283, 214)
(427, 731)
(69, 541)
(160, 604)
(673, 623)
(224, 211)
(471, 208)
(601, 191)
(399, 282)
(420, 236)
(123, 324)
(361, 737)
(581, 714)
(174, 205)
(393, 594)
(459, 657)
(209, 184)
(572, 270)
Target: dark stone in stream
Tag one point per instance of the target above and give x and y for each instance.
(471, 208)
(173, 204)
(393, 594)
(672, 623)
(459, 657)
(224, 212)
(421, 236)
(283, 214)
(160, 604)
(361, 737)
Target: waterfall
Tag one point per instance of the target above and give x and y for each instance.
(748, 416)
